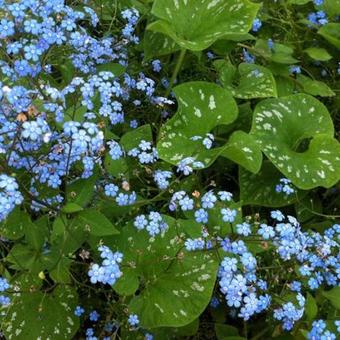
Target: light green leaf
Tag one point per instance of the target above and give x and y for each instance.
(284, 126)
(318, 53)
(314, 87)
(333, 296)
(195, 25)
(96, 223)
(259, 189)
(71, 208)
(201, 107)
(242, 149)
(298, 2)
(331, 32)
(37, 315)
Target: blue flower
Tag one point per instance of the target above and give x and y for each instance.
(94, 316)
(201, 216)
(133, 320)
(228, 215)
(156, 65)
(6, 28)
(79, 311)
(243, 229)
(257, 24)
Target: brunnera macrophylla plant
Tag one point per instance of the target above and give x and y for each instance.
(169, 169)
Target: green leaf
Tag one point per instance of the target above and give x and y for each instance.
(201, 107)
(185, 276)
(114, 68)
(96, 223)
(332, 7)
(314, 87)
(311, 308)
(280, 53)
(259, 189)
(195, 25)
(331, 32)
(333, 296)
(243, 150)
(189, 282)
(132, 138)
(71, 208)
(255, 82)
(61, 273)
(282, 127)
(128, 283)
(13, 226)
(298, 2)
(224, 331)
(157, 44)
(37, 315)
(318, 53)
(81, 191)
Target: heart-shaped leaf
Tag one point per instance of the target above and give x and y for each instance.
(35, 315)
(185, 276)
(259, 189)
(201, 107)
(255, 81)
(195, 25)
(189, 282)
(284, 126)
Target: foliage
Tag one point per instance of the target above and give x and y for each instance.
(145, 149)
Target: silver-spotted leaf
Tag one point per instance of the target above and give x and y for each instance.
(255, 81)
(259, 189)
(201, 107)
(283, 128)
(243, 150)
(171, 271)
(180, 294)
(35, 315)
(195, 25)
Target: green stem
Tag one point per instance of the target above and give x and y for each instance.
(176, 71)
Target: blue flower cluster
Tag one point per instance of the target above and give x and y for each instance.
(187, 165)
(285, 186)
(145, 153)
(122, 198)
(289, 313)
(207, 141)
(239, 283)
(108, 272)
(257, 24)
(162, 178)
(318, 18)
(10, 196)
(4, 285)
(319, 331)
(153, 223)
